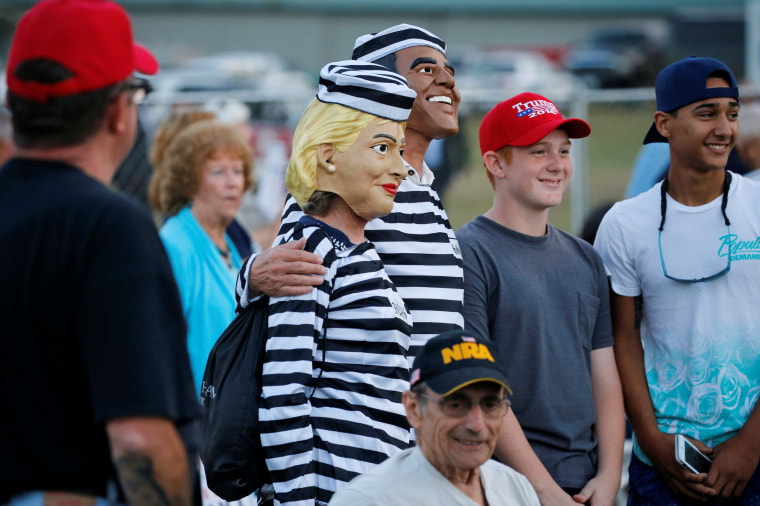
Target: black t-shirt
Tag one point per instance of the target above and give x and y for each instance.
(92, 327)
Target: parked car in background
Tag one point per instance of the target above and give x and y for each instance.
(720, 35)
(261, 80)
(486, 77)
(618, 57)
(274, 94)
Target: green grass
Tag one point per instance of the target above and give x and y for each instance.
(617, 130)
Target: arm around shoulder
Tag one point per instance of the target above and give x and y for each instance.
(280, 271)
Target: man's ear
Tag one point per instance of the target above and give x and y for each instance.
(662, 121)
(494, 164)
(117, 114)
(413, 406)
(325, 154)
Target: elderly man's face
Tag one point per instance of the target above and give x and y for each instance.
(455, 444)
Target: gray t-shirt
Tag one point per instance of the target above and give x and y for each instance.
(545, 302)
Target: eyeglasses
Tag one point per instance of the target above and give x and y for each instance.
(663, 206)
(140, 88)
(460, 405)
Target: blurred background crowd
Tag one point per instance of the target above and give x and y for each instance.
(596, 59)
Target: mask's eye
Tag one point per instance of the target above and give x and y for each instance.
(381, 148)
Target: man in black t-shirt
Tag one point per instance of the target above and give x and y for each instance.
(95, 381)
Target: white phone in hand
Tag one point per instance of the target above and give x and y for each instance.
(690, 457)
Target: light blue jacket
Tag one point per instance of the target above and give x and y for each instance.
(206, 284)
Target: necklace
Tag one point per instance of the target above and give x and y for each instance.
(227, 255)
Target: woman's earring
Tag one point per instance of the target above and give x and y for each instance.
(330, 167)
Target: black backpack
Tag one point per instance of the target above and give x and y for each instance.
(230, 395)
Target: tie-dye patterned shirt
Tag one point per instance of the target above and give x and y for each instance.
(701, 340)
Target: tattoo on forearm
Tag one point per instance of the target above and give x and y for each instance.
(139, 481)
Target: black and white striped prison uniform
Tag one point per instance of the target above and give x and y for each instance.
(420, 253)
(316, 443)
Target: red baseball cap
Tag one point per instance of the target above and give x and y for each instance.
(524, 120)
(91, 38)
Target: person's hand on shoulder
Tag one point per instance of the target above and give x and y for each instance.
(285, 270)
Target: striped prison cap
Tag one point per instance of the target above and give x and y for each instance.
(373, 46)
(366, 87)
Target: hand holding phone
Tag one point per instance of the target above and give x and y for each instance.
(690, 457)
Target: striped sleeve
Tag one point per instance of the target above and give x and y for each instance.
(295, 324)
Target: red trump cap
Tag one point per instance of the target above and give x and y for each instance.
(524, 120)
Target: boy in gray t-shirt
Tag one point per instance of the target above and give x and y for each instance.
(542, 296)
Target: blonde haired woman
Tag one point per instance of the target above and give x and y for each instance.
(205, 171)
(336, 363)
